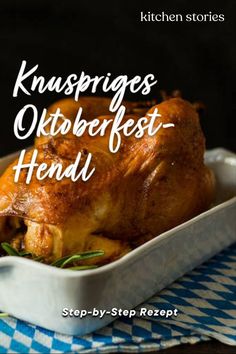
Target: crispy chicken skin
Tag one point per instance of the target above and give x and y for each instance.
(92, 107)
(149, 186)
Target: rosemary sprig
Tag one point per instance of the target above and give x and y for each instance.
(2, 315)
(9, 249)
(62, 262)
(59, 263)
(83, 267)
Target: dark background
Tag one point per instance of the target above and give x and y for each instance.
(70, 36)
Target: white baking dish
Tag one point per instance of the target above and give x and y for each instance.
(37, 293)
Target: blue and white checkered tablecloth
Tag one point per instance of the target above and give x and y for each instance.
(205, 299)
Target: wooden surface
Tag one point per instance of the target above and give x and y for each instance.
(210, 347)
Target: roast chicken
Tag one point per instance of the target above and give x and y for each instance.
(149, 186)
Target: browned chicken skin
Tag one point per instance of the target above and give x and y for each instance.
(149, 186)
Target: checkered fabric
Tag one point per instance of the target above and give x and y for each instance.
(205, 299)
